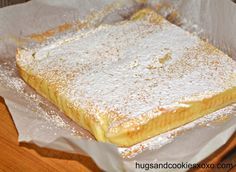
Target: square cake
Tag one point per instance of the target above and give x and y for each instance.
(132, 80)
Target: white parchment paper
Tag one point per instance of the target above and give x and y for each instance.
(39, 122)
